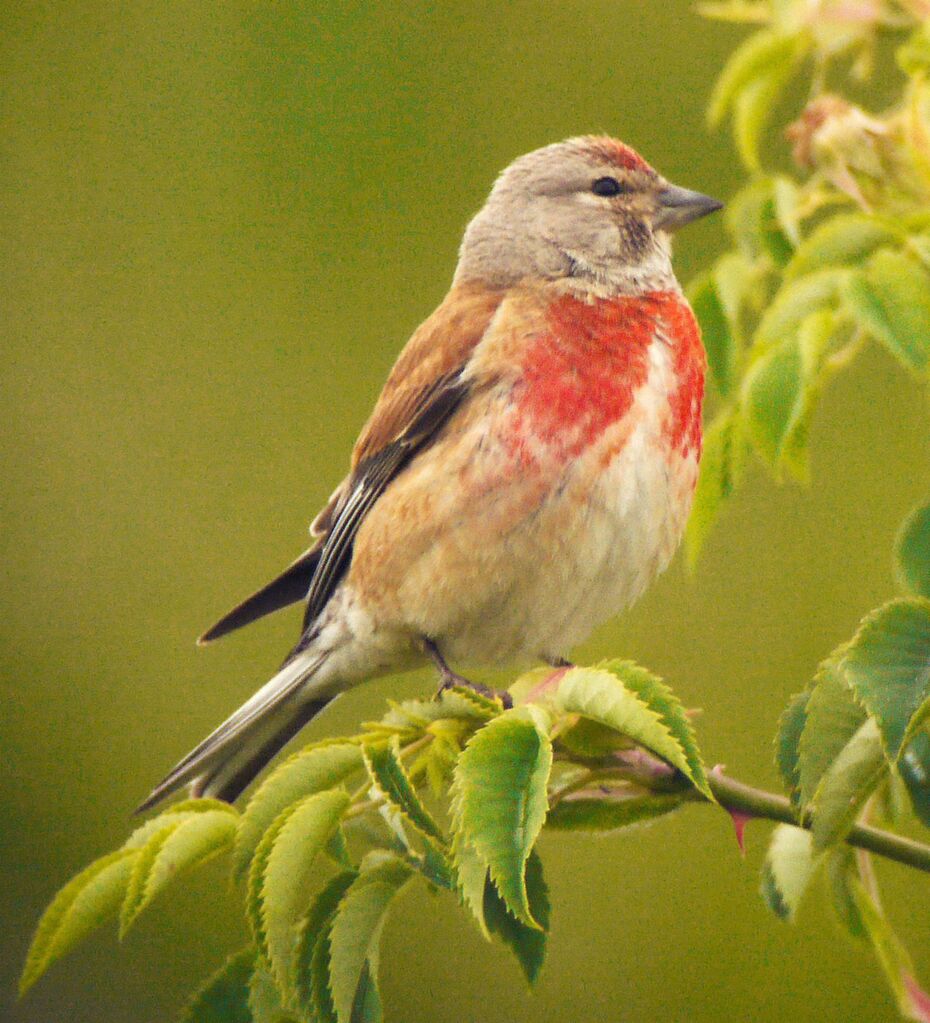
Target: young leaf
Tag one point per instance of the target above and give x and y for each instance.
(786, 197)
(891, 954)
(265, 999)
(757, 56)
(841, 870)
(914, 768)
(391, 780)
(224, 998)
(715, 330)
(832, 718)
(471, 874)
(528, 944)
(847, 784)
(787, 755)
(586, 812)
(85, 902)
(772, 391)
(887, 665)
(254, 899)
(844, 239)
(912, 552)
(787, 871)
(499, 801)
(754, 105)
(357, 926)
(308, 771)
(288, 873)
(193, 841)
(890, 299)
(626, 697)
(721, 468)
(314, 930)
(795, 301)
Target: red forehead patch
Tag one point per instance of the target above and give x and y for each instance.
(612, 151)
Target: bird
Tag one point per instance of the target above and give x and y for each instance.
(527, 470)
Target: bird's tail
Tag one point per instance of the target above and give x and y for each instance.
(231, 756)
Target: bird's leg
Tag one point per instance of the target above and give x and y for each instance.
(557, 662)
(448, 678)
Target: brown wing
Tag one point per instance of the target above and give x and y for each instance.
(422, 391)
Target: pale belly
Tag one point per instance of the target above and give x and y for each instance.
(520, 566)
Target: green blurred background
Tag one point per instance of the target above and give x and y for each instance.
(220, 223)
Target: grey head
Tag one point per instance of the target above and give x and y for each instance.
(589, 211)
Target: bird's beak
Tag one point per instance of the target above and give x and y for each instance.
(679, 206)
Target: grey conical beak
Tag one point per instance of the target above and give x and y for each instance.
(679, 206)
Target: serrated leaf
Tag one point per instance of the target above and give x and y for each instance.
(356, 930)
(788, 869)
(787, 754)
(891, 954)
(912, 552)
(314, 930)
(715, 330)
(847, 784)
(306, 772)
(288, 873)
(842, 240)
(499, 800)
(254, 900)
(471, 874)
(224, 997)
(586, 812)
(528, 944)
(887, 665)
(265, 999)
(795, 301)
(721, 469)
(756, 57)
(392, 782)
(624, 696)
(841, 868)
(914, 768)
(188, 844)
(88, 900)
(890, 300)
(832, 718)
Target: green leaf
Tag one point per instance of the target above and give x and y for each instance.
(786, 197)
(499, 801)
(721, 469)
(356, 930)
(887, 665)
(313, 931)
(753, 107)
(188, 844)
(787, 755)
(265, 999)
(844, 239)
(306, 772)
(224, 998)
(254, 899)
(758, 56)
(636, 703)
(788, 869)
(914, 767)
(367, 1005)
(288, 873)
(715, 330)
(528, 944)
(391, 780)
(771, 393)
(795, 301)
(890, 300)
(832, 718)
(841, 868)
(86, 901)
(912, 552)
(586, 812)
(891, 954)
(847, 784)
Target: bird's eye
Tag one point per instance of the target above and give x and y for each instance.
(608, 187)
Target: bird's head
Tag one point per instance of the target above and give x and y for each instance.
(589, 210)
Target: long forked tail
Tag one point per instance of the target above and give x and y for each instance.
(231, 756)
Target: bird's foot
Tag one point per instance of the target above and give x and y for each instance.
(449, 679)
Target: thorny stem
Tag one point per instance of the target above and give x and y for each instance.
(736, 795)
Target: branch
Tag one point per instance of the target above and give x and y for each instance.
(736, 795)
